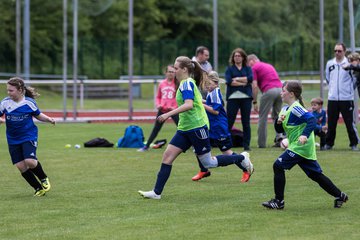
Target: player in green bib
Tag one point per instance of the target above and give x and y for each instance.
(299, 125)
(193, 128)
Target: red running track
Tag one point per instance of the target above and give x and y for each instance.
(145, 115)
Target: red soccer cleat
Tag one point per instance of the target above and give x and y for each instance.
(245, 177)
(201, 175)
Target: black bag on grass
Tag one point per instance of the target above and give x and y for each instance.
(98, 142)
(237, 137)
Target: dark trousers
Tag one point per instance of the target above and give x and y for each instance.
(322, 136)
(232, 108)
(157, 127)
(346, 109)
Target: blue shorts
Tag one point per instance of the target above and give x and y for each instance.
(289, 159)
(223, 144)
(20, 152)
(198, 138)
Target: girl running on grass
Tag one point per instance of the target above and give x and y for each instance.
(299, 125)
(19, 109)
(219, 133)
(192, 128)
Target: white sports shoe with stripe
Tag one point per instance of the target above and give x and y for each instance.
(246, 163)
(150, 194)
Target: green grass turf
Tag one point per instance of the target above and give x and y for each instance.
(94, 193)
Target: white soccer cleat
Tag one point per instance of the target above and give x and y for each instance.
(246, 163)
(150, 194)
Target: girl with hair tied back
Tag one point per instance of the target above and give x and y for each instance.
(299, 125)
(193, 128)
(19, 109)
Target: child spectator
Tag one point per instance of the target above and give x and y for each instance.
(320, 115)
(354, 60)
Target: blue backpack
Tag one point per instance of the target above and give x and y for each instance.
(133, 138)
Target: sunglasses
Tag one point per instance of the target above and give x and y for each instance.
(338, 51)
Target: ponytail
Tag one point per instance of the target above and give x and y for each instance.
(19, 84)
(199, 74)
(194, 69)
(301, 101)
(31, 92)
(296, 88)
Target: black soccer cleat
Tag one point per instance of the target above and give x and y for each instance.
(274, 204)
(338, 202)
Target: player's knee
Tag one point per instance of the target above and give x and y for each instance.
(169, 157)
(31, 163)
(277, 167)
(314, 176)
(21, 166)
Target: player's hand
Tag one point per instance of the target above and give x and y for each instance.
(324, 129)
(346, 66)
(162, 118)
(302, 139)
(2, 121)
(281, 119)
(52, 121)
(256, 107)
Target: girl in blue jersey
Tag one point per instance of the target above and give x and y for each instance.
(192, 128)
(219, 133)
(19, 109)
(299, 126)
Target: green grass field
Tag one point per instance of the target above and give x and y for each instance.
(94, 193)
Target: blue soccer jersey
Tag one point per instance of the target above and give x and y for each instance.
(320, 118)
(20, 126)
(218, 123)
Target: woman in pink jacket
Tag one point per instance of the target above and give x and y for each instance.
(165, 101)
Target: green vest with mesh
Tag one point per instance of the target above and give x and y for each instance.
(307, 150)
(195, 117)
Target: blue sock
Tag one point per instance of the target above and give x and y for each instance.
(225, 160)
(162, 178)
(240, 166)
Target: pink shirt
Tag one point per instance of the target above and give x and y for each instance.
(166, 96)
(266, 76)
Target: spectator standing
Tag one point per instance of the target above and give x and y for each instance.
(202, 55)
(340, 98)
(239, 79)
(267, 80)
(165, 102)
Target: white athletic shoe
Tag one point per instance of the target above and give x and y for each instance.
(246, 163)
(150, 194)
